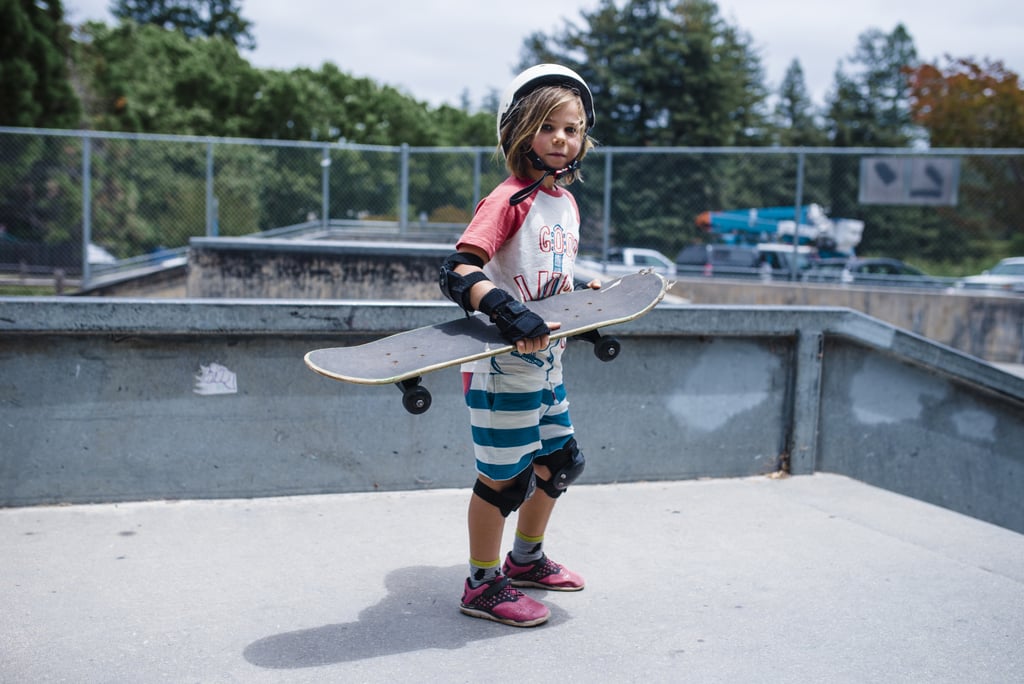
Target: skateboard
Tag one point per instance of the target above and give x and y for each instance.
(403, 359)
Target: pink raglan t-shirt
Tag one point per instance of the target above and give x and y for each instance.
(532, 246)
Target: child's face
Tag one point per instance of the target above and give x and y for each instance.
(560, 137)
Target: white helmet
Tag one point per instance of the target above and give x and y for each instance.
(537, 77)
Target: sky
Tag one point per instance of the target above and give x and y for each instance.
(444, 50)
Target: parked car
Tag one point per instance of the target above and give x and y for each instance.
(766, 260)
(626, 260)
(1006, 276)
(776, 259)
(882, 271)
(714, 259)
(98, 256)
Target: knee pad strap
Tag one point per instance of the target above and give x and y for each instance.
(510, 498)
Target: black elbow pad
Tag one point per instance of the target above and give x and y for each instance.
(455, 286)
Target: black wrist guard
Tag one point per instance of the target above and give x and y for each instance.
(515, 322)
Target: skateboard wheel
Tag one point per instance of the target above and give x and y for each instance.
(607, 348)
(416, 400)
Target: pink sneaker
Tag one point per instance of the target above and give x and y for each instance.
(543, 574)
(497, 600)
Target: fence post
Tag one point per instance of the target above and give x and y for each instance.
(325, 183)
(477, 171)
(403, 190)
(86, 208)
(793, 267)
(606, 228)
(211, 223)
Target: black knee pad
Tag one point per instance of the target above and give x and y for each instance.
(566, 465)
(510, 498)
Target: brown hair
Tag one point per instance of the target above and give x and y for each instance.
(525, 121)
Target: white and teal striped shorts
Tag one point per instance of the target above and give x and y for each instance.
(515, 418)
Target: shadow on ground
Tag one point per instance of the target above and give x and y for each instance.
(420, 612)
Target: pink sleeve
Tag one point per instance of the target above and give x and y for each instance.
(494, 222)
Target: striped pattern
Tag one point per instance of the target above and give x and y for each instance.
(514, 418)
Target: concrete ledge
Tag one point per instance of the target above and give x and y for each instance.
(989, 326)
(344, 318)
(313, 269)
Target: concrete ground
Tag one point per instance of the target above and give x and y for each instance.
(805, 579)
(1015, 368)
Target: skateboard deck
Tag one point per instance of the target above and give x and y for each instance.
(403, 358)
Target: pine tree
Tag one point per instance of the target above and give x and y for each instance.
(795, 118)
(665, 73)
(34, 86)
(194, 18)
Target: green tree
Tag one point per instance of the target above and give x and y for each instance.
(329, 104)
(796, 122)
(40, 196)
(870, 105)
(151, 80)
(795, 118)
(194, 18)
(34, 85)
(663, 72)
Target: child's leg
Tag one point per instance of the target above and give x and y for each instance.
(487, 594)
(535, 513)
(527, 565)
(486, 525)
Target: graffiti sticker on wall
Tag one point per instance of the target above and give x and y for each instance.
(215, 379)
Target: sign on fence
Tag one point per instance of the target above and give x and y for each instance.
(909, 180)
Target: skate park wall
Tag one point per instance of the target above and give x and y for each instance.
(118, 399)
(985, 325)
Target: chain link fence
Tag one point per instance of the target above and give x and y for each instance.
(83, 202)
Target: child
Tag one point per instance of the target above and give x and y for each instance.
(521, 246)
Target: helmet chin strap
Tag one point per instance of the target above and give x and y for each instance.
(539, 164)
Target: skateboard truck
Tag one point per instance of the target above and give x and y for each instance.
(605, 348)
(415, 397)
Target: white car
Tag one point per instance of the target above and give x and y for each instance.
(99, 256)
(626, 260)
(1006, 276)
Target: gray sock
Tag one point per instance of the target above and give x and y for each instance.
(482, 572)
(527, 550)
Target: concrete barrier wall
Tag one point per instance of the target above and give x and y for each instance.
(990, 327)
(114, 399)
(920, 432)
(305, 269)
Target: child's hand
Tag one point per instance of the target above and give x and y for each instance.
(530, 345)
